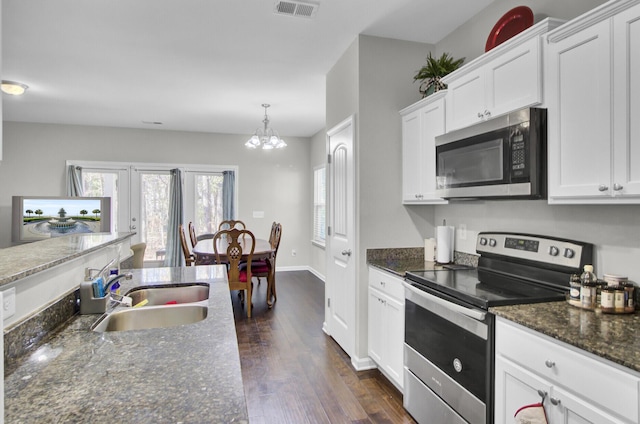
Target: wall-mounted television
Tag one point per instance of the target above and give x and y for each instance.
(41, 217)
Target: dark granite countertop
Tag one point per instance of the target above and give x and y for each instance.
(20, 261)
(187, 374)
(399, 260)
(614, 337)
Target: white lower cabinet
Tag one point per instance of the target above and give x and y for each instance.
(386, 324)
(576, 387)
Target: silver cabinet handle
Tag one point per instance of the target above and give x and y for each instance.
(487, 114)
(617, 187)
(603, 187)
(554, 401)
(549, 363)
(133, 227)
(346, 252)
(480, 115)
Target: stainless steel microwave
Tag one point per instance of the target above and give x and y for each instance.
(504, 157)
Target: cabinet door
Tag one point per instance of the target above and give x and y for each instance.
(432, 125)
(466, 100)
(394, 315)
(514, 79)
(563, 407)
(411, 151)
(376, 326)
(579, 113)
(626, 82)
(515, 387)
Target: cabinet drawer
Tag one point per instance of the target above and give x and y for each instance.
(594, 379)
(386, 283)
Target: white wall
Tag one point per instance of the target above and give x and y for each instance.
(318, 157)
(469, 39)
(276, 182)
(374, 80)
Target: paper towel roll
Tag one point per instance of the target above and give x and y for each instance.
(444, 244)
(430, 249)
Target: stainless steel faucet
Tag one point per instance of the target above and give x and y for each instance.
(89, 304)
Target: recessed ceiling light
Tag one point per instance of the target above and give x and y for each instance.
(14, 88)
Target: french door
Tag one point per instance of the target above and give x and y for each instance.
(140, 198)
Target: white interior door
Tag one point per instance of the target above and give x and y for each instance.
(341, 251)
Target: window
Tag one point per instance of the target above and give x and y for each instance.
(319, 205)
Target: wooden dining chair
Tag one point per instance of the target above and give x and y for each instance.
(192, 234)
(189, 258)
(260, 269)
(231, 223)
(238, 247)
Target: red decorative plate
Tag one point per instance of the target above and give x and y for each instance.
(512, 23)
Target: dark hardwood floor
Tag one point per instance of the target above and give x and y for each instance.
(294, 373)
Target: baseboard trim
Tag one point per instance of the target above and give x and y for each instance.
(363, 364)
(301, 268)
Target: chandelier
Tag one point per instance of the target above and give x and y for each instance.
(266, 137)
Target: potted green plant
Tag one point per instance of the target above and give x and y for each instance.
(433, 70)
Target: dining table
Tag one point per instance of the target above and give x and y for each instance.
(205, 254)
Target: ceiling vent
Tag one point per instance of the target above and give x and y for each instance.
(296, 9)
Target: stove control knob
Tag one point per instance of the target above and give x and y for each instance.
(492, 242)
(457, 365)
(569, 253)
(483, 241)
(554, 251)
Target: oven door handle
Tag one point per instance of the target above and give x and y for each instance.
(472, 313)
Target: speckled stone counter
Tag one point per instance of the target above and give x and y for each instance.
(402, 259)
(23, 260)
(614, 337)
(185, 374)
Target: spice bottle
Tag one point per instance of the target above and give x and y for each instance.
(630, 302)
(618, 299)
(588, 287)
(574, 290)
(607, 299)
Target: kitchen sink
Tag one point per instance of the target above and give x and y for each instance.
(151, 317)
(162, 295)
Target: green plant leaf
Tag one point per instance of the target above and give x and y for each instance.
(438, 67)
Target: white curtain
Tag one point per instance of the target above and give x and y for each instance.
(174, 256)
(74, 181)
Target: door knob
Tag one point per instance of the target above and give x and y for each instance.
(346, 252)
(549, 363)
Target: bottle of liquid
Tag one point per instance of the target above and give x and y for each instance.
(574, 290)
(588, 289)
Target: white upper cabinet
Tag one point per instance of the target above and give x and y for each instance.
(421, 123)
(593, 99)
(506, 78)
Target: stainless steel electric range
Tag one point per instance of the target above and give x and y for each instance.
(449, 346)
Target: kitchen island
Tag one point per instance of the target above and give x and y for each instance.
(188, 374)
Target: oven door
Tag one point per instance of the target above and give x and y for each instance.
(448, 359)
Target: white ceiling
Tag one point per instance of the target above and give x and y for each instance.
(195, 65)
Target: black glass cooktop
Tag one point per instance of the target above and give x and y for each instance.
(494, 290)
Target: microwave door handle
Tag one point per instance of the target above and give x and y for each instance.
(472, 313)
